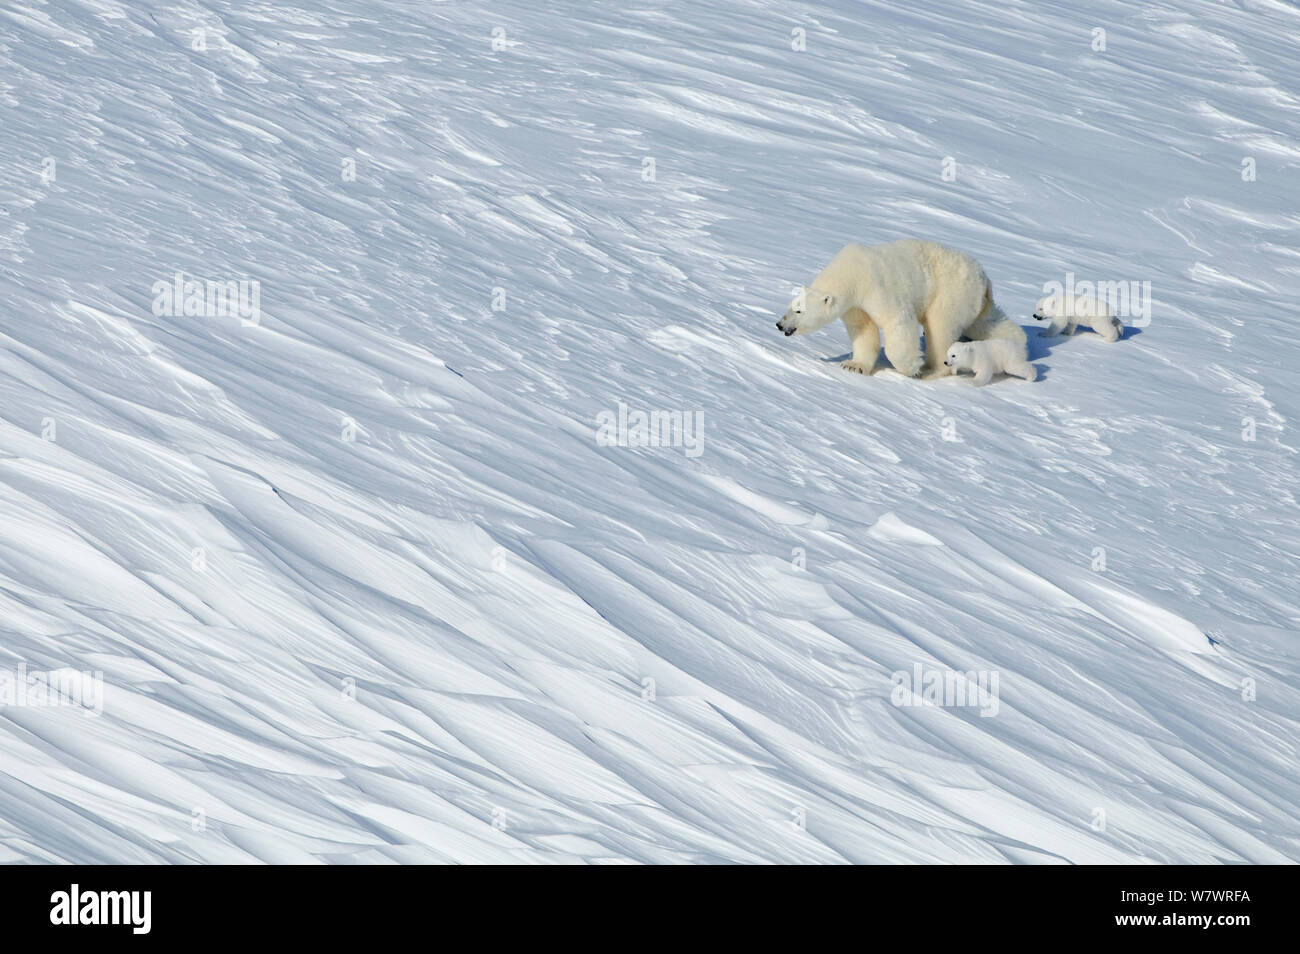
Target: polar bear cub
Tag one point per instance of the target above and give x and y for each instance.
(987, 358)
(1067, 312)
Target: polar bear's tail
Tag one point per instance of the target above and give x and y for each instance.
(992, 322)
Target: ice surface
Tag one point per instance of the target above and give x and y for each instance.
(365, 587)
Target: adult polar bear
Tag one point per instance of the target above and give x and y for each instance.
(894, 291)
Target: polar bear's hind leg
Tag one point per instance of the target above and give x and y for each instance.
(1024, 370)
(992, 322)
(944, 321)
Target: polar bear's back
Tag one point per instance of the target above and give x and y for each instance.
(914, 268)
(907, 253)
(954, 265)
(1082, 307)
(1003, 352)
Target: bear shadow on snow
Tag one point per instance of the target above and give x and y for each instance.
(1041, 346)
(1032, 332)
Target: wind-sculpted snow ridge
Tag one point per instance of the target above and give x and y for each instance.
(370, 564)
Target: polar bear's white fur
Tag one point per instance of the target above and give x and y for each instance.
(1066, 312)
(987, 358)
(894, 291)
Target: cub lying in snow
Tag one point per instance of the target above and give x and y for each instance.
(1066, 312)
(987, 358)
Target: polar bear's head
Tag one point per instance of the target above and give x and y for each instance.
(1049, 307)
(811, 309)
(1069, 306)
(959, 357)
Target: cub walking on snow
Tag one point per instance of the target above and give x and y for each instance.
(895, 291)
(987, 358)
(1066, 312)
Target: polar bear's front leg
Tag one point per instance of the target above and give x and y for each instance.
(983, 374)
(937, 343)
(903, 345)
(1054, 328)
(865, 338)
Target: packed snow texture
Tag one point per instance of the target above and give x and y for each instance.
(365, 587)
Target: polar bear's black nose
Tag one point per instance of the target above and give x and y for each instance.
(780, 326)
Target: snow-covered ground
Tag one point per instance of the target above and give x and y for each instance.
(362, 582)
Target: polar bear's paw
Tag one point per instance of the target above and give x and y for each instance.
(861, 367)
